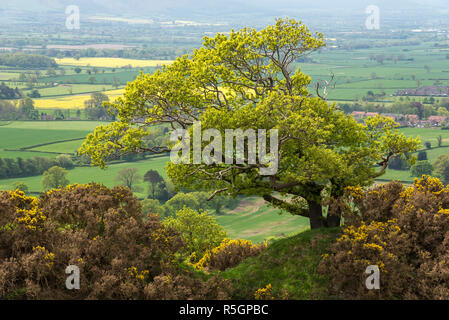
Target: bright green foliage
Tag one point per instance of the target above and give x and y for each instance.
(21, 186)
(55, 177)
(441, 166)
(151, 206)
(421, 168)
(182, 199)
(200, 231)
(246, 80)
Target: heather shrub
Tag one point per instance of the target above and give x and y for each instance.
(101, 231)
(228, 254)
(404, 231)
(181, 287)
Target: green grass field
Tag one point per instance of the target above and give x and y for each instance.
(254, 220)
(15, 138)
(69, 147)
(64, 90)
(25, 134)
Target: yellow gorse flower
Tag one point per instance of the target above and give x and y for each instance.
(225, 246)
(264, 293)
(134, 273)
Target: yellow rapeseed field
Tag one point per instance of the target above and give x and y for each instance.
(111, 62)
(72, 102)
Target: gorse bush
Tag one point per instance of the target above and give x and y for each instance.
(404, 231)
(101, 231)
(229, 254)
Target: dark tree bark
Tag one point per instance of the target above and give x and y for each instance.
(333, 220)
(316, 215)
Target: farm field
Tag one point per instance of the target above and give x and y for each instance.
(111, 62)
(67, 90)
(68, 147)
(355, 73)
(14, 136)
(104, 78)
(72, 102)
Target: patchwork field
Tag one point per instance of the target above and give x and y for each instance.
(356, 71)
(72, 102)
(65, 90)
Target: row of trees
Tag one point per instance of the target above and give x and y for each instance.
(21, 110)
(27, 61)
(16, 168)
(9, 93)
(163, 199)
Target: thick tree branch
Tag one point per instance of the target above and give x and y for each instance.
(294, 210)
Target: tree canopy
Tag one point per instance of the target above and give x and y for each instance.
(248, 79)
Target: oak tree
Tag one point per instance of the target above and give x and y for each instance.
(249, 79)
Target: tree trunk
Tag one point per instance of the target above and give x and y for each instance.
(315, 215)
(333, 220)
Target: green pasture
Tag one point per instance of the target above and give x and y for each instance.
(254, 220)
(62, 147)
(14, 136)
(62, 90)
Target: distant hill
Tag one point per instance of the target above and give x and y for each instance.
(214, 8)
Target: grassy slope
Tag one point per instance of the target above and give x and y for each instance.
(289, 264)
(254, 220)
